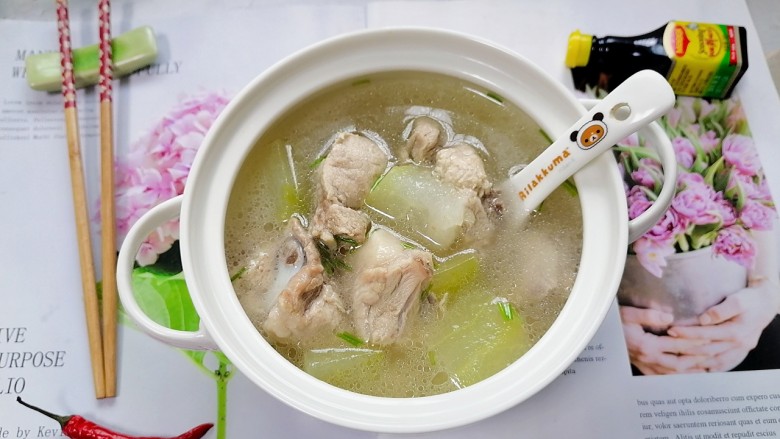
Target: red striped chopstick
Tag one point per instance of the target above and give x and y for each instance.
(80, 202)
(107, 216)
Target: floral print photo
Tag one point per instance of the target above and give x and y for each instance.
(154, 170)
(721, 192)
(698, 294)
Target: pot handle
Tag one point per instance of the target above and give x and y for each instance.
(645, 221)
(165, 211)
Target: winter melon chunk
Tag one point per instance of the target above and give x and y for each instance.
(417, 204)
(481, 336)
(342, 366)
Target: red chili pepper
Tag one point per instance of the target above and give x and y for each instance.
(76, 427)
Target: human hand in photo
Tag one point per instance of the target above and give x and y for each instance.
(731, 328)
(655, 354)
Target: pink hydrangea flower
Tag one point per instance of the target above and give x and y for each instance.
(735, 244)
(157, 167)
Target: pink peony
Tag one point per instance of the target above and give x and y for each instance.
(684, 151)
(696, 205)
(735, 244)
(705, 108)
(637, 202)
(719, 199)
(690, 180)
(652, 254)
(709, 141)
(648, 174)
(757, 216)
(762, 191)
(157, 166)
(736, 115)
(632, 140)
(739, 151)
(668, 227)
(725, 209)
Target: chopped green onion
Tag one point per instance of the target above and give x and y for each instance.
(408, 245)
(346, 239)
(350, 338)
(317, 161)
(570, 187)
(376, 183)
(546, 136)
(330, 262)
(432, 358)
(507, 312)
(238, 274)
(361, 81)
(425, 291)
(495, 97)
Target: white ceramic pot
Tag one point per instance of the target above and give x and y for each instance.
(684, 290)
(225, 326)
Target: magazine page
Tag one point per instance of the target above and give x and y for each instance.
(44, 358)
(643, 375)
(655, 369)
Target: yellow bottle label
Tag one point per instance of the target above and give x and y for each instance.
(706, 58)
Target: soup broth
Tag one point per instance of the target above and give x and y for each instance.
(485, 292)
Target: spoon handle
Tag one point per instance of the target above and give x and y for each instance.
(639, 100)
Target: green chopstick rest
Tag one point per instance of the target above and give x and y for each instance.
(130, 51)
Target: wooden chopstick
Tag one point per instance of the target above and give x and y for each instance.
(80, 202)
(107, 215)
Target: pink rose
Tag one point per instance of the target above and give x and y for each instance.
(652, 254)
(740, 152)
(735, 244)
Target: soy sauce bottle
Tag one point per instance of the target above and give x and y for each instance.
(698, 59)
